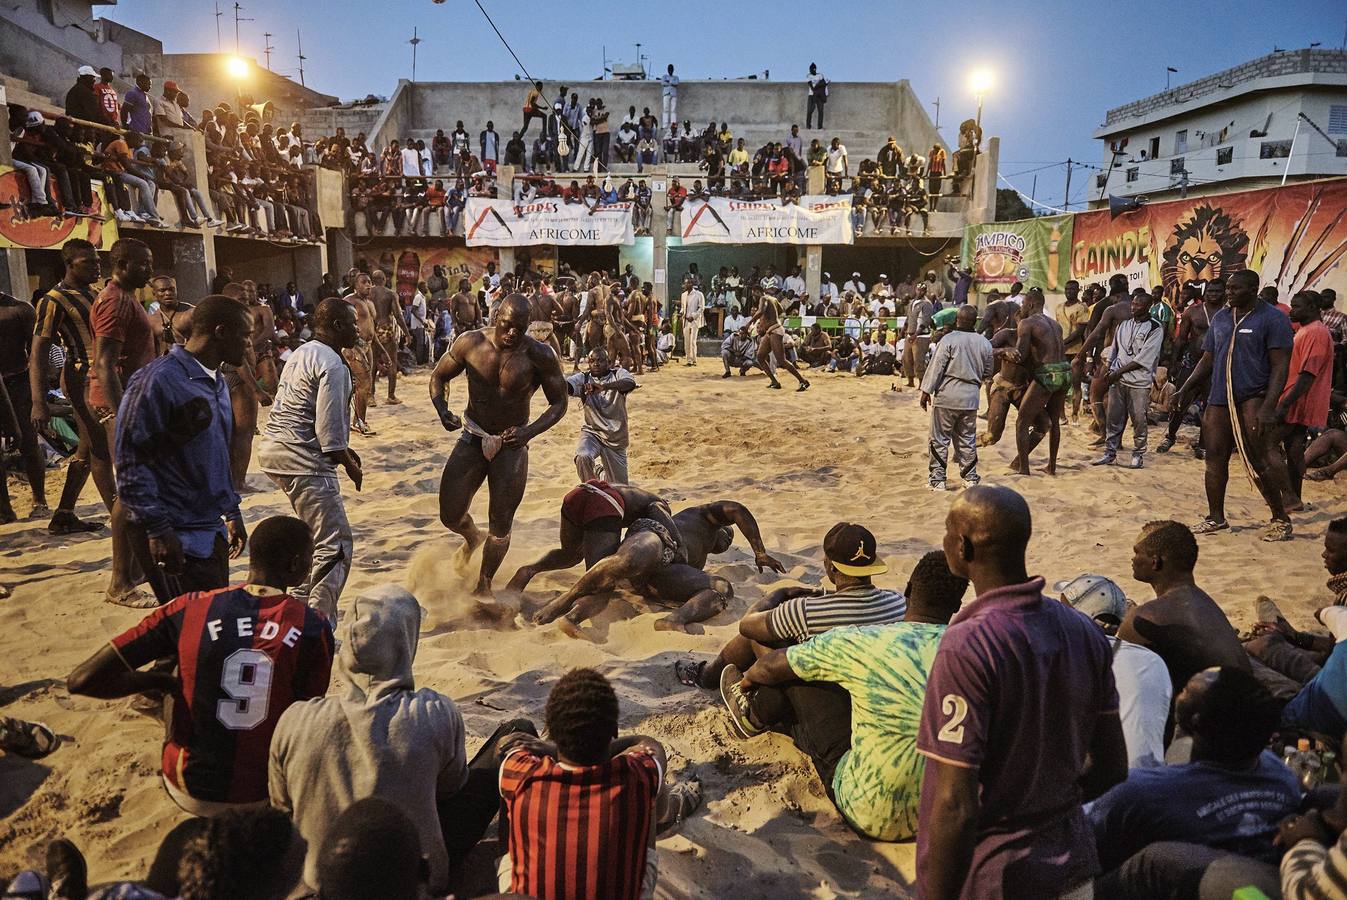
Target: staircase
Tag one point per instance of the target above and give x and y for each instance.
(20, 93)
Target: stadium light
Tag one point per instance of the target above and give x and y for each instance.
(237, 67)
(980, 81)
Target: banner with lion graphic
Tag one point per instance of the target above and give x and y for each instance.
(1295, 237)
(19, 230)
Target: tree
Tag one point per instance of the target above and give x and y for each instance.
(1009, 206)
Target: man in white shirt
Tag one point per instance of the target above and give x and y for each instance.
(818, 96)
(734, 321)
(416, 324)
(668, 83)
(827, 289)
(306, 437)
(1131, 368)
(836, 165)
(771, 281)
(1144, 689)
(883, 291)
(795, 143)
(427, 161)
(854, 285)
(951, 389)
(411, 160)
(793, 282)
(692, 306)
(603, 441)
(489, 143)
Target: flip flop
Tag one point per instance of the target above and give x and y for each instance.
(29, 739)
(134, 599)
(689, 671)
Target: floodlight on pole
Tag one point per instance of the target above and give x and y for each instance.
(237, 67)
(980, 81)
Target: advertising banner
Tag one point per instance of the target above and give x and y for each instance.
(816, 219)
(1031, 251)
(405, 266)
(1295, 237)
(49, 232)
(504, 223)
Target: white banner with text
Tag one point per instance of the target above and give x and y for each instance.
(816, 219)
(504, 223)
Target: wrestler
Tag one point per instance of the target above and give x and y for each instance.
(174, 316)
(360, 358)
(505, 367)
(564, 326)
(1007, 386)
(1039, 347)
(246, 394)
(595, 323)
(593, 515)
(634, 308)
(389, 330)
(464, 309)
(666, 566)
(772, 336)
(543, 311)
(652, 317)
(263, 338)
(1193, 328)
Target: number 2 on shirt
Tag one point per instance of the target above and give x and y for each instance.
(956, 708)
(246, 678)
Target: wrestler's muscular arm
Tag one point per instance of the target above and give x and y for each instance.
(448, 368)
(554, 389)
(728, 512)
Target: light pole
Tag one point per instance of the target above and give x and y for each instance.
(238, 70)
(980, 81)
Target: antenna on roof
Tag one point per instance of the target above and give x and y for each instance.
(219, 44)
(267, 48)
(299, 41)
(414, 41)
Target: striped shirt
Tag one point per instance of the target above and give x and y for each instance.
(801, 618)
(1311, 871)
(63, 318)
(579, 833)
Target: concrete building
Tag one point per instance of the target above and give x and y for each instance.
(1281, 116)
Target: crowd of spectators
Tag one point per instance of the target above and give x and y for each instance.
(134, 144)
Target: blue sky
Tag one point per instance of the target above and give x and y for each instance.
(1058, 65)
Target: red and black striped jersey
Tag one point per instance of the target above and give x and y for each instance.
(244, 654)
(579, 832)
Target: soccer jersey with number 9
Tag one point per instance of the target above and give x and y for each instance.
(244, 654)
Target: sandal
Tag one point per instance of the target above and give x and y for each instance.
(30, 739)
(682, 800)
(1210, 526)
(1277, 530)
(689, 671)
(135, 599)
(66, 522)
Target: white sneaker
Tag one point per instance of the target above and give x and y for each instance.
(121, 215)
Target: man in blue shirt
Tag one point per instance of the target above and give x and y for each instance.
(136, 106)
(174, 486)
(1251, 342)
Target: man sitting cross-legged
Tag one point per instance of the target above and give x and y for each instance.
(666, 566)
(794, 614)
(851, 699)
(243, 655)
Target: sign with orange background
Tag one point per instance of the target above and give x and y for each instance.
(1295, 237)
(48, 232)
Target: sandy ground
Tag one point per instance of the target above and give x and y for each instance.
(848, 449)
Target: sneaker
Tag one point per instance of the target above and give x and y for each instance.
(1199, 453)
(1210, 526)
(1266, 610)
(1106, 460)
(971, 482)
(736, 703)
(1277, 530)
(1136, 461)
(938, 486)
(214, 223)
(121, 215)
(1164, 445)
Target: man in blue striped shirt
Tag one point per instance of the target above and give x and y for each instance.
(794, 614)
(174, 486)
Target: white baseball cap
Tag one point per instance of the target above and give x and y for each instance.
(88, 70)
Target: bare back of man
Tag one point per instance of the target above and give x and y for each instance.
(1040, 349)
(772, 344)
(564, 325)
(1118, 310)
(264, 344)
(1007, 385)
(463, 309)
(504, 367)
(543, 310)
(666, 568)
(389, 329)
(246, 393)
(360, 358)
(635, 310)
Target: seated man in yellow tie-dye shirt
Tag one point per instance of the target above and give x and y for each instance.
(851, 699)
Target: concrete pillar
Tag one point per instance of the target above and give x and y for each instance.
(193, 264)
(340, 253)
(309, 263)
(813, 254)
(659, 234)
(13, 263)
(504, 191)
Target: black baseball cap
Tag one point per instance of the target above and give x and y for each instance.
(851, 549)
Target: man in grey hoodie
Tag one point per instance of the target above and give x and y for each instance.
(378, 736)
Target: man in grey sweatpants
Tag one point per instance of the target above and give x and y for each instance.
(306, 438)
(953, 381)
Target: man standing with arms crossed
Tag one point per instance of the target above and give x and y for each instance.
(963, 360)
(505, 367)
(917, 335)
(1020, 724)
(1250, 343)
(691, 306)
(307, 436)
(63, 316)
(668, 90)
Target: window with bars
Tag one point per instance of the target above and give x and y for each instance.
(1225, 155)
(1274, 150)
(1176, 166)
(1132, 174)
(1337, 119)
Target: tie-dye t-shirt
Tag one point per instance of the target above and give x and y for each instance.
(884, 668)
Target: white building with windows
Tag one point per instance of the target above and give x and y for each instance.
(1281, 115)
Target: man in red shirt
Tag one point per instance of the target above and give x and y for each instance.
(583, 813)
(123, 342)
(1309, 383)
(106, 93)
(242, 655)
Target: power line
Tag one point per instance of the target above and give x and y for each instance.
(517, 60)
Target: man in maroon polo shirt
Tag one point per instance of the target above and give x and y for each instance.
(1020, 724)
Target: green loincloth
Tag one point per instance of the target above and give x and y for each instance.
(1054, 376)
